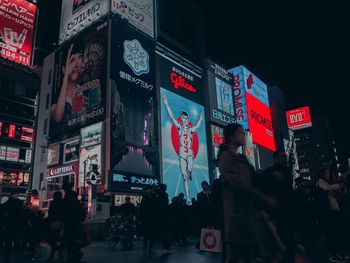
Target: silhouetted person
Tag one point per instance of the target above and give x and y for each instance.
(148, 219)
(181, 220)
(55, 224)
(204, 207)
(239, 198)
(74, 215)
(12, 214)
(128, 209)
(278, 184)
(163, 217)
(329, 213)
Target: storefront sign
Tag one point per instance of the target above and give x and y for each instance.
(62, 170)
(17, 29)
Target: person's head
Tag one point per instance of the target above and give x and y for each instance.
(325, 174)
(280, 157)
(205, 186)
(127, 200)
(67, 187)
(75, 63)
(344, 170)
(57, 196)
(184, 118)
(174, 200)
(162, 188)
(181, 197)
(71, 196)
(234, 135)
(300, 182)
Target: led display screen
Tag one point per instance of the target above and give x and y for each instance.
(299, 118)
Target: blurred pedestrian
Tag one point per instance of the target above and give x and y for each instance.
(12, 211)
(148, 212)
(329, 213)
(55, 225)
(277, 183)
(238, 198)
(74, 216)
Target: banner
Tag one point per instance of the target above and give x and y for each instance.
(134, 142)
(220, 94)
(17, 30)
(53, 154)
(90, 166)
(184, 148)
(77, 15)
(139, 13)
(71, 151)
(78, 97)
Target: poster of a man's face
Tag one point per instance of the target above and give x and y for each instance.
(78, 97)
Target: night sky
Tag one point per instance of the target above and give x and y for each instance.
(302, 46)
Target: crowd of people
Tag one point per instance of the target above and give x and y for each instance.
(262, 215)
(22, 227)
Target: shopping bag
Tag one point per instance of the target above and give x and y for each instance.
(211, 240)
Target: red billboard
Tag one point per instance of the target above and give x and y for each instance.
(17, 30)
(299, 118)
(260, 123)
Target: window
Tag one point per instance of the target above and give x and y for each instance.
(45, 127)
(47, 101)
(19, 89)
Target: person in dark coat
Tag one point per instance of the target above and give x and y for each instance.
(278, 184)
(148, 211)
(55, 224)
(238, 198)
(163, 215)
(12, 211)
(74, 216)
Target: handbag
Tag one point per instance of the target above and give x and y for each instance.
(211, 240)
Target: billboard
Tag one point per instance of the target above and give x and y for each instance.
(53, 154)
(14, 177)
(17, 132)
(139, 13)
(253, 107)
(63, 170)
(134, 139)
(71, 151)
(299, 118)
(17, 30)
(184, 149)
(220, 94)
(79, 89)
(77, 15)
(12, 154)
(128, 182)
(90, 157)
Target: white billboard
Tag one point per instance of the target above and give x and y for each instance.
(79, 14)
(139, 13)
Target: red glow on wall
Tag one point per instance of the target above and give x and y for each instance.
(260, 123)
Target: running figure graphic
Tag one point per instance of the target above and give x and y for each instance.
(186, 156)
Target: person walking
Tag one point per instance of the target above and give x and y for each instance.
(163, 216)
(238, 198)
(55, 225)
(74, 216)
(329, 213)
(278, 184)
(12, 214)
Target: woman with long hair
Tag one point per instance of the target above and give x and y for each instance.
(238, 198)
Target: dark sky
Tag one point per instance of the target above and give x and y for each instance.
(303, 47)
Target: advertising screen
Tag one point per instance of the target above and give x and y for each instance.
(128, 182)
(79, 88)
(299, 118)
(139, 13)
(260, 124)
(184, 149)
(13, 177)
(3, 152)
(77, 15)
(53, 154)
(12, 154)
(16, 132)
(252, 107)
(90, 166)
(134, 142)
(71, 151)
(219, 94)
(17, 30)
(217, 135)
